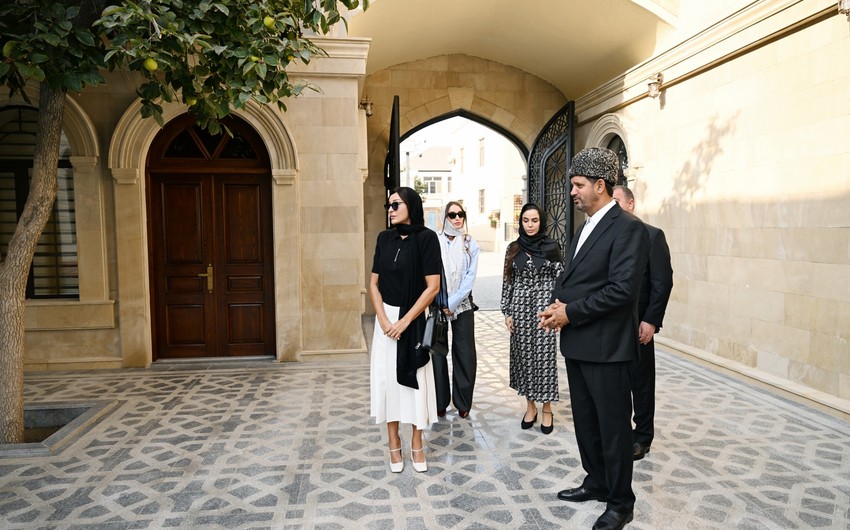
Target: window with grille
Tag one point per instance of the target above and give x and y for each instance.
(53, 273)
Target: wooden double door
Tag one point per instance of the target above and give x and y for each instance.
(210, 236)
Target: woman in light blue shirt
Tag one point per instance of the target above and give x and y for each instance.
(460, 265)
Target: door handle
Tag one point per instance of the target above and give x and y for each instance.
(209, 277)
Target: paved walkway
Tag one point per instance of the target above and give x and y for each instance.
(488, 281)
(286, 446)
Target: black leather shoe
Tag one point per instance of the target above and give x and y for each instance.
(441, 413)
(580, 494)
(463, 413)
(547, 429)
(639, 450)
(611, 520)
(528, 424)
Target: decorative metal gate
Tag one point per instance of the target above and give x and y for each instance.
(548, 164)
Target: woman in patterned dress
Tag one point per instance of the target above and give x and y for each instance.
(532, 263)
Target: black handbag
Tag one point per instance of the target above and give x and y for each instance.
(435, 338)
(440, 341)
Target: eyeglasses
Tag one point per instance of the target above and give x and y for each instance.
(452, 215)
(393, 205)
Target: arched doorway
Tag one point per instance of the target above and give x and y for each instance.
(210, 240)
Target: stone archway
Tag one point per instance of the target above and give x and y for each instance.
(511, 99)
(127, 153)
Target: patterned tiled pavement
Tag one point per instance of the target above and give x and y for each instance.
(266, 445)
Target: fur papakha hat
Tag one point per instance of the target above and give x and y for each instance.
(596, 163)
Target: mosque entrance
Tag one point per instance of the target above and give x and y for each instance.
(210, 240)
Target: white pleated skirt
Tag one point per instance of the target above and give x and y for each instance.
(390, 400)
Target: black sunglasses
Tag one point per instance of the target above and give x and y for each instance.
(393, 205)
(452, 215)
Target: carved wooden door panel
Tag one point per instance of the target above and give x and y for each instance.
(245, 302)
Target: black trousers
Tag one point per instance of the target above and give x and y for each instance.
(601, 402)
(643, 394)
(464, 361)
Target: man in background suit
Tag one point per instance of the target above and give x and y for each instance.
(654, 295)
(595, 308)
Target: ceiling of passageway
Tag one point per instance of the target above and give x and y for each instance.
(576, 45)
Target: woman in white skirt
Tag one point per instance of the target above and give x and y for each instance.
(405, 279)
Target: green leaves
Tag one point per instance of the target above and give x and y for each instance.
(47, 41)
(84, 37)
(218, 54)
(29, 71)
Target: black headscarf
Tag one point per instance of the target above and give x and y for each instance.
(539, 246)
(408, 358)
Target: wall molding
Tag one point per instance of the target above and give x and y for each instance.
(797, 392)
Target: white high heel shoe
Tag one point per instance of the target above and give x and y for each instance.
(396, 467)
(420, 467)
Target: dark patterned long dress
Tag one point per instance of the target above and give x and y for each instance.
(533, 354)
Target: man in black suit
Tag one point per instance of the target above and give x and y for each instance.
(595, 308)
(654, 294)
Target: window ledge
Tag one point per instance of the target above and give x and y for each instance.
(52, 315)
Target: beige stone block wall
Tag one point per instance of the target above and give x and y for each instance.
(326, 130)
(746, 167)
(443, 86)
(72, 350)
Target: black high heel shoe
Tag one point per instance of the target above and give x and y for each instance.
(547, 429)
(528, 424)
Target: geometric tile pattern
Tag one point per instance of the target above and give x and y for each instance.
(291, 446)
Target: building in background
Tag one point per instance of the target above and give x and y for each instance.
(465, 161)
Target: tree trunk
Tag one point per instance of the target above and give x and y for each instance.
(15, 265)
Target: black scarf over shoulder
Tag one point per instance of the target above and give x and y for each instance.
(408, 358)
(539, 246)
